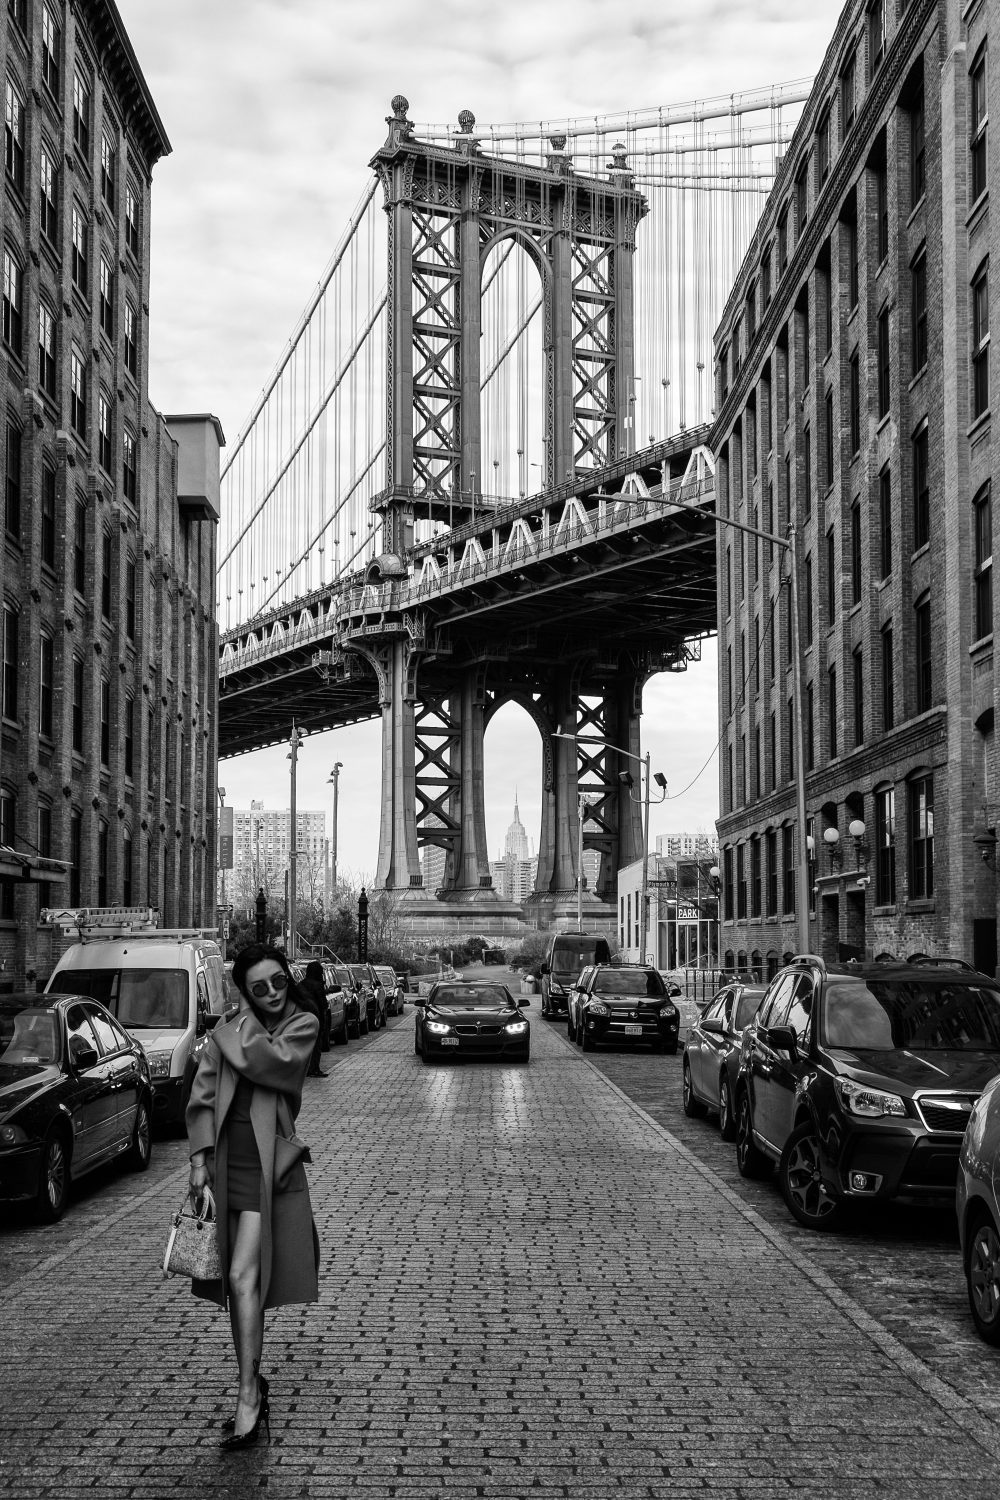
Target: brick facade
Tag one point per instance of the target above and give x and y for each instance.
(847, 404)
(99, 558)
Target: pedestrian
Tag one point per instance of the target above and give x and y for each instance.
(241, 1123)
(312, 991)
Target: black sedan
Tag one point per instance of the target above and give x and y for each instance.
(471, 1018)
(74, 1093)
(712, 1053)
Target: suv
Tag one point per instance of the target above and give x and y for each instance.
(622, 1002)
(858, 1080)
(372, 994)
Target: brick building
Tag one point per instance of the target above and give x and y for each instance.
(853, 386)
(109, 643)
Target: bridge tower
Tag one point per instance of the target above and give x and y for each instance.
(448, 206)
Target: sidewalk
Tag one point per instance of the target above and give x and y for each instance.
(528, 1289)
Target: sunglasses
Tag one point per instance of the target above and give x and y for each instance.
(275, 984)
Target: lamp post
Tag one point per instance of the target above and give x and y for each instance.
(334, 776)
(715, 878)
(581, 814)
(625, 777)
(293, 756)
(223, 925)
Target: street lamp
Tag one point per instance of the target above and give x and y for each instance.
(715, 876)
(334, 776)
(625, 777)
(581, 815)
(293, 755)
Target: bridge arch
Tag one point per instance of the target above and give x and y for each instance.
(514, 372)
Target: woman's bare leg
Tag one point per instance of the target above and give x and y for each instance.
(246, 1315)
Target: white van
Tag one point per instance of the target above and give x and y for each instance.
(167, 988)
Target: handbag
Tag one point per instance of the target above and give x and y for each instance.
(193, 1246)
(289, 1151)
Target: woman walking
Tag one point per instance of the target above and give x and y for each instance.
(312, 996)
(240, 1123)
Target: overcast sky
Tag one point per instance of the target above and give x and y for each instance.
(273, 109)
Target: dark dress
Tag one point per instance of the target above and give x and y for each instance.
(244, 1158)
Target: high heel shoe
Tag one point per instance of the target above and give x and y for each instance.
(263, 1386)
(239, 1440)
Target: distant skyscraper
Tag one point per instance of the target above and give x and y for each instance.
(514, 874)
(516, 843)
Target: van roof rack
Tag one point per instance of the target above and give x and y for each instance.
(100, 923)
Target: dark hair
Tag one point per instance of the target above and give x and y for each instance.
(314, 970)
(257, 953)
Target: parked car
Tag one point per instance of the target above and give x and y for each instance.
(858, 1081)
(566, 955)
(622, 1003)
(712, 1053)
(372, 994)
(979, 1211)
(471, 1018)
(335, 1027)
(75, 1093)
(393, 989)
(355, 1004)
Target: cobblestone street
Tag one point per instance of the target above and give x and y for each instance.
(530, 1286)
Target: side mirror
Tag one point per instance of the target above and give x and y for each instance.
(544, 969)
(211, 1019)
(82, 1056)
(419, 1000)
(713, 1028)
(782, 1039)
(524, 1002)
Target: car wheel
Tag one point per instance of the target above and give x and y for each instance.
(140, 1151)
(587, 1038)
(363, 1029)
(750, 1161)
(340, 1036)
(416, 1041)
(727, 1120)
(983, 1276)
(428, 1057)
(692, 1107)
(801, 1183)
(670, 1048)
(53, 1180)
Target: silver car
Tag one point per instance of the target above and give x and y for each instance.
(712, 1053)
(979, 1212)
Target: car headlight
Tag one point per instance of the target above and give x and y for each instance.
(12, 1135)
(871, 1103)
(159, 1062)
(668, 1012)
(555, 988)
(515, 1026)
(439, 1027)
(598, 1008)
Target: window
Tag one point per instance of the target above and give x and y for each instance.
(809, 599)
(48, 175)
(130, 599)
(126, 868)
(831, 704)
(853, 276)
(788, 861)
(75, 856)
(12, 295)
(130, 482)
(131, 340)
(882, 337)
(751, 314)
(981, 343)
(48, 517)
(921, 818)
(881, 212)
(773, 736)
(150, 742)
(823, 149)
(8, 836)
(888, 680)
(765, 279)
(105, 722)
(129, 731)
(77, 705)
(741, 880)
(106, 299)
(81, 250)
(10, 671)
(918, 180)
(885, 846)
(782, 240)
(801, 202)
(979, 121)
(46, 686)
(12, 483)
(109, 170)
(80, 546)
(885, 521)
(106, 572)
(848, 94)
(18, 11)
(918, 311)
(102, 863)
(771, 852)
(982, 510)
(78, 393)
(13, 137)
(831, 578)
(856, 552)
(876, 34)
(921, 490)
(755, 881)
(828, 439)
(46, 351)
(105, 448)
(81, 115)
(858, 683)
(854, 399)
(922, 655)
(810, 727)
(807, 493)
(132, 219)
(51, 51)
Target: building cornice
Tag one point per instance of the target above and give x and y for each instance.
(118, 59)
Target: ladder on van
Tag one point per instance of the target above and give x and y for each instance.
(100, 923)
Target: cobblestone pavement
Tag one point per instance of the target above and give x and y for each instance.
(537, 1280)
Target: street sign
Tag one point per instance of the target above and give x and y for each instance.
(225, 927)
(687, 913)
(226, 838)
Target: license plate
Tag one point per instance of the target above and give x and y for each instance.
(449, 1041)
(633, 1031)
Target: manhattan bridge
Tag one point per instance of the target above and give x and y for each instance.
(479, 472)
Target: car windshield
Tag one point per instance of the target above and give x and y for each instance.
(747, 1008)
(142, 999)
(628, 982)
(942, 1015)
(468, 995)
(361, 974)
(28, 1038)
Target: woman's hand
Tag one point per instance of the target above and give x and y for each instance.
(199, 1178)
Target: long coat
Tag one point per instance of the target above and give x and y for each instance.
(275, 1062)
